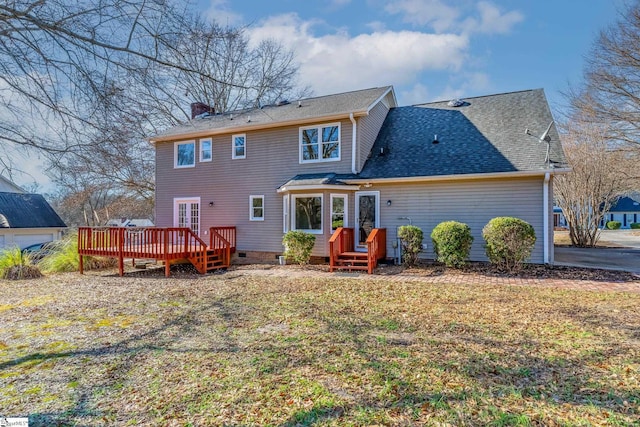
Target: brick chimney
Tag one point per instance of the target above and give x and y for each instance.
(198, 108)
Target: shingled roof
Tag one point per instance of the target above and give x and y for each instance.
(22, 210)
(323, 107)
(484, 135)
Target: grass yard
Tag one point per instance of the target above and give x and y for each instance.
(239, 349)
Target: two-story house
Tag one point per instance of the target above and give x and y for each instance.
(358, 160)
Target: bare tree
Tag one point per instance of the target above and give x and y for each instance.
(612, 78)
(601, 173)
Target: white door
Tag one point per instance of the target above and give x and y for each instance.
(187, 214)
(367, 216)
(24, 240)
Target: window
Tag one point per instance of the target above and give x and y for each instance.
(239, 146)
(338, 211)
(205, 150)
(320, 143)
(185, 154)
(256, 208)
(307, 213)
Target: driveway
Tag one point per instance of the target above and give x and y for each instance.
(624, 253)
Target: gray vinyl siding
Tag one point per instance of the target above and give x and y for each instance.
(272, 158)
(367, 132)
(470, 202)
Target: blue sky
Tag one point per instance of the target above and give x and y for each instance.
(429, 49)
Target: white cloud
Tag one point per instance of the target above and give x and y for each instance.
(417, 94)
(338, 62)
(486, 18)
(220, 12)
(468, 84)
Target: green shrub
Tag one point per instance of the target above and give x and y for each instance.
(411, 241)
(298, 246)
(635, 225)
(452, 243)
(14, 265)
(614, 225)
(509, 242)
(64, 257)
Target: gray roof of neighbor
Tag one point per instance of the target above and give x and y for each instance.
(23, 210)
(310, 108)
(484, 135)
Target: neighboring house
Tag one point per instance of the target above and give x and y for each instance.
(125, 222)
(626, 210)
(356, 158)
(7, 186)
(26, 219)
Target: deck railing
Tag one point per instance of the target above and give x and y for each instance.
(376, 247)
(217, 235)
(341, 241)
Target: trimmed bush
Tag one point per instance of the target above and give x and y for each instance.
(15, 265)
(411, 241)
(635, 225)
(509, 242)
(452, 243)
(614, 225)
(298, 246)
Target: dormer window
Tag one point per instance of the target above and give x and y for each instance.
(320, 143)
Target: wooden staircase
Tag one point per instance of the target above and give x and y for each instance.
(343, 257)
(209, 260)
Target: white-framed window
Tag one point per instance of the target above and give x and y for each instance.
(320, 143)
(338, 211)
(239, 146)
(206, 150)
(306, 213)
(184, 154)
(256, 208)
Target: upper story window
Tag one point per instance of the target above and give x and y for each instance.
(205, 150)
(320, 143)
(239, 146)
(184, 154)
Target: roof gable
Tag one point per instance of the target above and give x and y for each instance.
(309, 110)
(27, 211)
(8, 186)
(483, 135)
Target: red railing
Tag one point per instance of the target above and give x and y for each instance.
(341, 241)
(376, 247)
(220, 234)
(141, 242)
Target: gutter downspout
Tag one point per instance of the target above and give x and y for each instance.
(353, 144)
(545, 215)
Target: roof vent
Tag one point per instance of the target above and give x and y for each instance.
(3, 222)
(456, 103)
(435, 139)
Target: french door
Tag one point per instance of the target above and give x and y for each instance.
(187, 214)
(367, 216)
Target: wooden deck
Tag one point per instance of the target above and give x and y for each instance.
(165, 244)
(342, 255)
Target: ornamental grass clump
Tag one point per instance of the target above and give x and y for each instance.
(64, 257)
(452, 243)
(509, 242)
(411, 241)
(298, 246)
(16, 265)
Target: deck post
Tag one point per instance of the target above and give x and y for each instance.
(80, 246)
(167, 266)
(121, 251)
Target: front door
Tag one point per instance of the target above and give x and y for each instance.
(367, 216)
(187, 214)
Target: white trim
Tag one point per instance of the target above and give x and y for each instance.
(353, 144)
(345, 220)
(338, 187)
(319, 128)
(374, 103)
(285, 213)
(357, 215)
(200, 142)
(251, 199)
(190, 200)
(293, 212)
(233, 146)
(545, 216)
(459, 177)
(175, 154)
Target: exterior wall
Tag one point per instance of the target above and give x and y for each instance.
(23, 237)
(367, 132)
(550, 230)
(620, 216)
(470, 202)
(272, 158)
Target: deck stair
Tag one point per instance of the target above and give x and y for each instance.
(342, 255)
